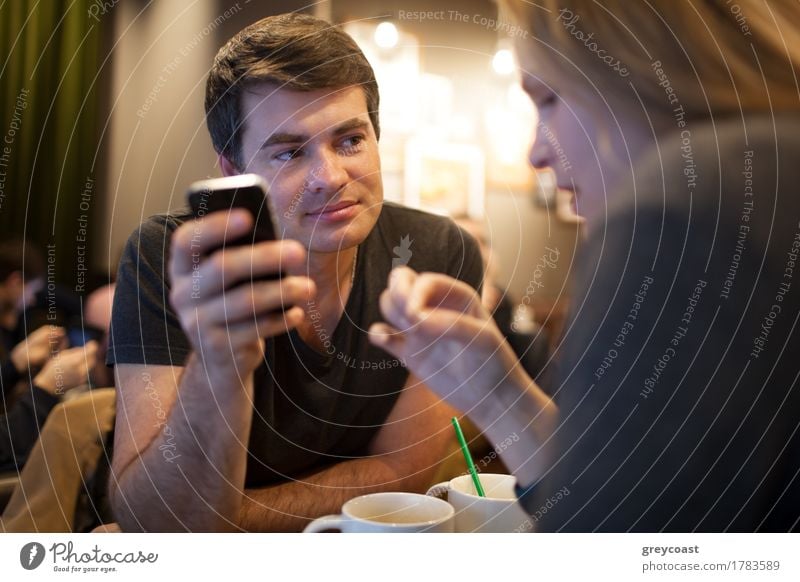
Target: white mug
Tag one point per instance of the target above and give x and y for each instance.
(497, 512)
(388, 513)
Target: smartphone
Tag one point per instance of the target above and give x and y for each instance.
(224, 194)
(247, 191)
(80, 335)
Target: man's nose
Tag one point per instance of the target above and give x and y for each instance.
(328, 174)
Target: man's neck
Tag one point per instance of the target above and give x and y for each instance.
(333, 275)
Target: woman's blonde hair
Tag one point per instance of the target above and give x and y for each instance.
(707, 56)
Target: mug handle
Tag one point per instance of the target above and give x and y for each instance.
(324, 523)
(439, 490)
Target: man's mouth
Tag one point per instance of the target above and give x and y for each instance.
(342, 210)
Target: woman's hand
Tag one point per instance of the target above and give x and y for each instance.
(438, 327)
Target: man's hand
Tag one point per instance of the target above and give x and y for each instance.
(68, 369)
(225, 323)
(439, 327)
(34, 350)
(205, 409)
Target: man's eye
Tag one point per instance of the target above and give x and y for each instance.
(287, 155)
(352, 143)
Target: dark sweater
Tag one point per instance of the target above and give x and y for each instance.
(678, 373)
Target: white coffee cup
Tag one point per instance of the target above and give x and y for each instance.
(387, 513)
(497, 512)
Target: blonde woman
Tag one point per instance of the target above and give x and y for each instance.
(677, 129)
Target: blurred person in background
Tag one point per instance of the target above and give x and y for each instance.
(527, 338)
(675, 406)
(62, 486)
(61, 370)
(34, 354)
(28, 299)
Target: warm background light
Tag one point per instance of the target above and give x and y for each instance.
(503, 62)
(386, 35)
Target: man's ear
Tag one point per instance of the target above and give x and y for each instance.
(227, 167)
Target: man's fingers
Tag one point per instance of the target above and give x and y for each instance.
(212, 275)
(246, 302)
(266, 325)
(197, 237)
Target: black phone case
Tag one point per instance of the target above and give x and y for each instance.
(252, 197)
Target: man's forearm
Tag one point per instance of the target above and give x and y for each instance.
(190, 477)
(290, 506)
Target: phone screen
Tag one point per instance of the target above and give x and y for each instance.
(81, 335)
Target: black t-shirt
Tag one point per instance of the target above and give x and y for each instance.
(679, 366)
(310, 408)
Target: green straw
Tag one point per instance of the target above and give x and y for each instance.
(470, 465)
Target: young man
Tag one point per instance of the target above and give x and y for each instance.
(233, 415)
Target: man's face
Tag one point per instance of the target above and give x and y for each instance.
(319, 154)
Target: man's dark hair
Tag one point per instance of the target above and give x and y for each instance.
(296, 51)
(11, 253)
